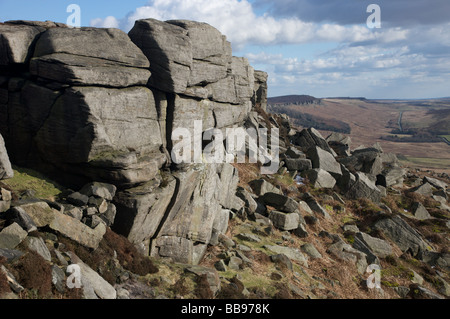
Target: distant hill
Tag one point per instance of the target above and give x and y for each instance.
(295, 105)
(293, 100)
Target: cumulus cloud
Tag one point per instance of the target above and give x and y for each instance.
(394, 58)
(108, 22)
(394, 13)
(238, 21)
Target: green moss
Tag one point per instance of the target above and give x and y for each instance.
(389, 284)
(350, 239)
(28, 179)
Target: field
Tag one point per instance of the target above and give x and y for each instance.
(374, 121)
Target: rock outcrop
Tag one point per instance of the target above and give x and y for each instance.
(89, 104)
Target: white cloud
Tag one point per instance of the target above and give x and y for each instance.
(108, 22)
(363, 59)
(238, 21)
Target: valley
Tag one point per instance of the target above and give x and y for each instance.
(415, 130)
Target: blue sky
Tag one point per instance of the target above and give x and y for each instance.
(322, 48)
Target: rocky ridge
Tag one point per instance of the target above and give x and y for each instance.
(95, 108)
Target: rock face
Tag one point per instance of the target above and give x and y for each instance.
(88, 104)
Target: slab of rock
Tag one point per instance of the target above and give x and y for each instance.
(298, 164)
(394, 176)
(339, 143)
(301, 230)
(13, 283)
(320, 178)
(324, 160)
(87, 71)
(435, 182)
(260, 89)
(43, 216)
(38, 245)
(282, 259)
(371, 245)
(111, 45)
(78, 199)
(196, 205)
(234, 263)
(250, 202)
(93, 285)
(346, 252)
(309, 138)
(140, 211)
(284, 221)
(294, 153)
(403, 235)
(281, 202)
(291, 253)
(211, 52)
(261, 187)
(16, 43)
(99, 150)
(39, 213)
(220, 226)
(12, 236)
(420, 212)
(77, 231)
(366, 160)
(424, 189)
(364, 188)
(315, 206)
(311, 251)
(169, 50)
(102, 190)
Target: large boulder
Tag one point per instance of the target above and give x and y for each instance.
(80, 70)
(437, 183)
(194, 59)
(43, 216)
(324, 160)
(364, 187)
(308, 138)
(371, 245)
(169, 50)
(403, 235)
(211, 52)
(16, 43)
(111, 45)
(89, 139)
(320, 178)
(261, 187)
(339, 143)
(366, 160)
(284, 221)
(298, 164)
(281, 202)
(393, 176)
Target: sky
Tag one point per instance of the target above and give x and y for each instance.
(323, 48)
